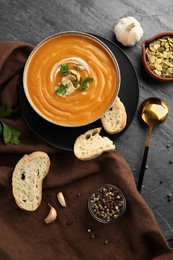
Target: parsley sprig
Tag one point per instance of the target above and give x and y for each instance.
(5, 111)
(64, 68)
(10, 134)
(61, 90)
(83, 84)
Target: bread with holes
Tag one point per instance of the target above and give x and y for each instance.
(115, 119)
(27, 180)
(91, 144)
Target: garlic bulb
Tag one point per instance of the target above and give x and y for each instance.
(128, 31)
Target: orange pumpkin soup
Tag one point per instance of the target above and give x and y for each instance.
(84, 64)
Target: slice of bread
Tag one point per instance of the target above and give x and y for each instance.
(115, 119)
(27, 180)
(91, 144)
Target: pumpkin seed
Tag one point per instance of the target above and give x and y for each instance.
(152, 48)
(158, 67)
(159, 54)
(79, 66)
(158, 61)
(64, 81)
(157, 72)
(161, 49)
(170, 39)
(152, 59)
(70, 77)
(70, 90)
(74, 72)
(163, 40)
(169, 63)
(69, 84)
(151, 66)
(156, 46)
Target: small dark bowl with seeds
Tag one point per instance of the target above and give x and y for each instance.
(107, 204)
(157, 56)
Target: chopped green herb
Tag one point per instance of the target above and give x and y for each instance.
(61, 90)
(83, 84)
(5, 111)
(64, 68)
(80, 81)
(11, 135)
(87, 80)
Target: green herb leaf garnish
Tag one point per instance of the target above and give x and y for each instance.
(64, 68)
(61, 90)
(5, 111)
(87, 80)
(80, 81)
(11, 135)
(83, 84)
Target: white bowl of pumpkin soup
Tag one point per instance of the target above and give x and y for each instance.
(71, 79)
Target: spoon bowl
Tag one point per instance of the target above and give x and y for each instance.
(154, 111)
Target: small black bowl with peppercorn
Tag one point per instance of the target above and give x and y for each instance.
(107, 204)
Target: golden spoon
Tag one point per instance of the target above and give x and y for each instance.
(154, 111)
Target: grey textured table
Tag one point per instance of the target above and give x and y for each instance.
(33, 20)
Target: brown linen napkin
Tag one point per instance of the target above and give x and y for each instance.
(24, 235)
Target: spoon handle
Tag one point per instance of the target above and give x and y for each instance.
(142, 171)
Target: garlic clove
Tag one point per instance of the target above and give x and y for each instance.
(61, 199)
(51, 216)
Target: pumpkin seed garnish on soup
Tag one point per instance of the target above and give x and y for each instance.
(71, 80)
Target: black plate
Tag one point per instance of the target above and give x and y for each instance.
(64, 137)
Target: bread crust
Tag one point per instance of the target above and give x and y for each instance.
(27, 180)
(115, 119)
